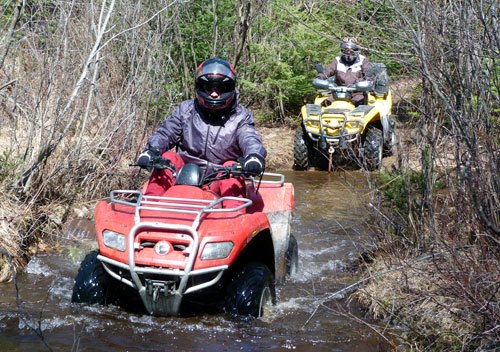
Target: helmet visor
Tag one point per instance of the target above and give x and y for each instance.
(213, 84)
(349, 51)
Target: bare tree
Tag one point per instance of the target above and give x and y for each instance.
(7, 39)
(63, 118)
(82, 86)
(456, 52)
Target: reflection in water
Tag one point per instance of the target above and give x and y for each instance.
(329, 224)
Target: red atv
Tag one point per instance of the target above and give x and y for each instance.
(186, 250)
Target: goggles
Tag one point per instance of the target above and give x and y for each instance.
(220, 87)
(348, 51)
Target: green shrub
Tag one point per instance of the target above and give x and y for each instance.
(401, 190)
(8, 165)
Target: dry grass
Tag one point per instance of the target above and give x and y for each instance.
(14, 220)
(436, 272)
(414, 294)
(279, 145)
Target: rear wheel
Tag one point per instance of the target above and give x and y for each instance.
(292, 257)
(373, 148)
(250, 291)
(301, 154)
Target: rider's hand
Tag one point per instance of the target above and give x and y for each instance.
(144, 159)
(253, 164)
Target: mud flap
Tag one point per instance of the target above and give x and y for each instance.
(280, 228)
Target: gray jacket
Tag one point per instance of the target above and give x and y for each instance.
(205, 141)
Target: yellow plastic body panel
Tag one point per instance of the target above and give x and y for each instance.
(342, 117)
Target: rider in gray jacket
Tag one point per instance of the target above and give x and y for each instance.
(211, 129)
(206, 140)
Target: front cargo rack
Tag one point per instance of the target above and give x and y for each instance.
(198, 207)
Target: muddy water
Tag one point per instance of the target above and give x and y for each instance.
(329, 224)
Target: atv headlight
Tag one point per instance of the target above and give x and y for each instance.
(216, 250)
(354, 124)
(114, 240)
(312, 124)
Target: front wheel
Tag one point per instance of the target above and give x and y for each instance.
(93, 285)
(373, 145)
(250, 291)
(301, 153)
(91, 282)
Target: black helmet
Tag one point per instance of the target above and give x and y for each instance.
(350, 50)
(215, 84)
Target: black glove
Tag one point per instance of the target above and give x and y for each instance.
(253, 164)
(144, 159)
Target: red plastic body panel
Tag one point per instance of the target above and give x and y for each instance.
(236, 227)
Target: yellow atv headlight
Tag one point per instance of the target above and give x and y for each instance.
(313, 124)
(354, 124)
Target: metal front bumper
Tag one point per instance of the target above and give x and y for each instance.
(161, 297)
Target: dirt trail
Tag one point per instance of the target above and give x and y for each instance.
(279, 145)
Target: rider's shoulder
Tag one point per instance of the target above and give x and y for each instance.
(241, 112)
(187, 104)
(363, 58)
(186, 107)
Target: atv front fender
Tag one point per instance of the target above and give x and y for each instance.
(277, 201)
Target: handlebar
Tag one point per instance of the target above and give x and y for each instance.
(159, 163)
(218, 172)
(326, 84)
(224, 172)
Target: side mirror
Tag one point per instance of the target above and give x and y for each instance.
(319, 68)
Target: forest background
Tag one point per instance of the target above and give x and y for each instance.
(83, 84)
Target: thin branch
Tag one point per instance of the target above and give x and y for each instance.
(52, 145)
(10, 33)
(140, 24)
(360, 282)
(351, 316)
(8, 83)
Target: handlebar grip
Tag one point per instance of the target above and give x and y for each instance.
(321, 83)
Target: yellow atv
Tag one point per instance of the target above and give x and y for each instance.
(334, 130)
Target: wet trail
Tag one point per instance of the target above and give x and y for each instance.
(329, 224)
